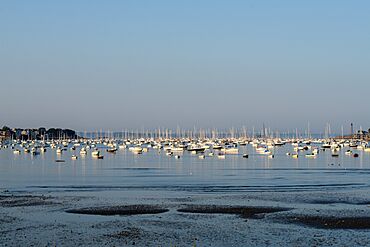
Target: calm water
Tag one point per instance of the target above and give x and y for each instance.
(156, 171)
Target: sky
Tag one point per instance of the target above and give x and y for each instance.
(91, 65)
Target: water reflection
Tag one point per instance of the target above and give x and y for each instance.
(153, 169)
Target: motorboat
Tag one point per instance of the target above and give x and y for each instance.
(95, 153)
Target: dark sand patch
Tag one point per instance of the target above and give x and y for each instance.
(129, 233)
(338, 201)
(333, 222)
(24, 201)
(5, 219)
(120, 210)
(243, 211)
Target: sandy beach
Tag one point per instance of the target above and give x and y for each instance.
(251, 219)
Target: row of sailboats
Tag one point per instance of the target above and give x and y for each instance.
(219, 147)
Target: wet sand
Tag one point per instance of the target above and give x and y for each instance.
(242, 211)
(25, 200)
(331, 222)
(120, 210)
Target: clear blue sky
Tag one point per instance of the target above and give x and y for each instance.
(132, 64)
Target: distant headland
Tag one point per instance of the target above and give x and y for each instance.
(7, 133)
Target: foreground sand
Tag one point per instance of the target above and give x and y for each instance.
(167, 218)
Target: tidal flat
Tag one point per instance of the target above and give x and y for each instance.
(141, 218)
